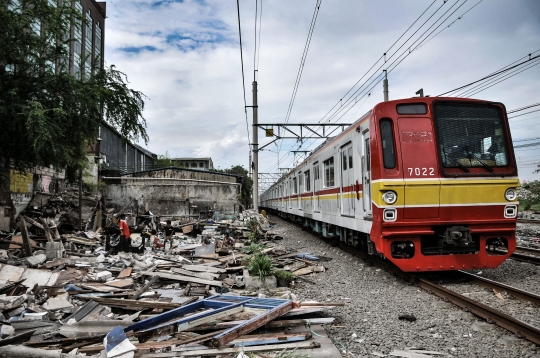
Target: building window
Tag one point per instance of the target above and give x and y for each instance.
(201, 165)
(329, 172)
(308, 181)
(88, 46)
(97, 46)
(77, 44)
(194, 165)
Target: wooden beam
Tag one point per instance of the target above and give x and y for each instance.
(181, 278)
(26, 238)
(203, 268)
(144, 288)
(203, 275)
(214, 352)
(46, 230)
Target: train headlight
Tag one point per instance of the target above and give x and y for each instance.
(510, 194)
(389, 197)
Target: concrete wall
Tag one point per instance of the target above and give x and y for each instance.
(173, 192)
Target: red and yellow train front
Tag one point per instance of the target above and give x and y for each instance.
(444, 182)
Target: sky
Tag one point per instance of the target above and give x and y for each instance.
(185, 57)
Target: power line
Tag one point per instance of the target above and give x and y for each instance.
(522, 114)
(491, 75)
(242, 62)
(523, 108)
(260, 30)
(459, 18)
(302, 61)
(493, 82)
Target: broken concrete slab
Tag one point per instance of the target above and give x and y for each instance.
(57, 303)
(36, 260)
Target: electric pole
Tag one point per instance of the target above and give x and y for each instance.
(255, 164)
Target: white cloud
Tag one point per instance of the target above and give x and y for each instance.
(193, 75)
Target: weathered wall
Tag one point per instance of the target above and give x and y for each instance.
(173, 192)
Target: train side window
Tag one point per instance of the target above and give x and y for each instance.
(329, 172)
(344, 160)
(387, 139)
(295, 186)
(308, 181)
(350, 158)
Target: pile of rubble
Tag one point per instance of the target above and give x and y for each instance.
(206, 295)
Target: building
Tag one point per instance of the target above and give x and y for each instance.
(194, 163)
(178, 193)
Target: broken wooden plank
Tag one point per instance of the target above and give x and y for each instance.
(214, 352)
(203, 275)
(46, 230)
(145, 287)
(181, 278)
(124, 283)
(125, 272)
(270, 338)
(25, 237)
(203, 268)
(122, 302)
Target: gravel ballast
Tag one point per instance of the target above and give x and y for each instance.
(369, 323)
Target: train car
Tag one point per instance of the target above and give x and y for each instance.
(429, 183)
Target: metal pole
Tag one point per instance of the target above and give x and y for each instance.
(80, 199)
(385, 87)
(255, 151)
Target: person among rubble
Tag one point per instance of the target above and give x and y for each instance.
(125, 235)
(169, 233)
(228, 241)
(155, 240)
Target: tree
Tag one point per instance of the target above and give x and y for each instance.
(48, 116)
(245, 197)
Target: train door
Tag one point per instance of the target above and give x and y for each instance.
(316, 186)
(366, 177)
(347, 177)
(419, 158)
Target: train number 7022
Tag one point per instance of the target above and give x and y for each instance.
(421, 172)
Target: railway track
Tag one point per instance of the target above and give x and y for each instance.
(519, 328)
(524, 254)
(528, 221)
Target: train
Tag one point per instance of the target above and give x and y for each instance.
(428, 183)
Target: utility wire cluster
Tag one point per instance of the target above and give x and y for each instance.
(426, 27)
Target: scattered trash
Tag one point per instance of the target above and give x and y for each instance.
(66, 289)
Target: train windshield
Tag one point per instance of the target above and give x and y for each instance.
(470, 135)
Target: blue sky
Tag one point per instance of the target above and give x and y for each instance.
(184, 55)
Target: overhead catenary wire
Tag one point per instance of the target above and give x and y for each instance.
(368, 85)
(302, 62)
(484, 86)
(243, 77)
(489, 76)
(523, 108)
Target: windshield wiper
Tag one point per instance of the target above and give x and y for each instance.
(471, 155)
(465, 169)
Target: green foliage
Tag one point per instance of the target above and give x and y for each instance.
(260, 265)
(247, 183)
(532, 200)
(252, 225)
(49, 117)
(284, 275)
(163, 161)
(290, 354)
(253, 249)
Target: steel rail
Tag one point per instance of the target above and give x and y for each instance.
(519, 328)
(516, 292)
(528, 250)
(526, 258)
(528, 221)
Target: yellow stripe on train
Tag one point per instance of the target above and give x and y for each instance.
(444, 192)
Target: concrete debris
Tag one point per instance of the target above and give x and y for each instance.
(75, 287)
